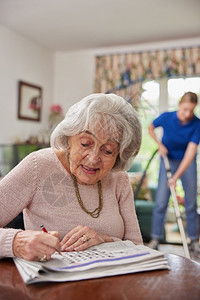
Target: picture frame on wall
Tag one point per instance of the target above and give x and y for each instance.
(29, 101)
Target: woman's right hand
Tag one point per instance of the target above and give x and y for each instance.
(34, 245)
(162, 150)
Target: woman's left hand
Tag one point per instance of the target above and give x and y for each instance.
(81, 238)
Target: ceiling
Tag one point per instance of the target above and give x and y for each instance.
(69, 25)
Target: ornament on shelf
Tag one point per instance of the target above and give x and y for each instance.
(55, 116)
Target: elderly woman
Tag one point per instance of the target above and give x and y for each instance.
(77, 188)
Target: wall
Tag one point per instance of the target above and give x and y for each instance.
(74, 74)
(23, 60)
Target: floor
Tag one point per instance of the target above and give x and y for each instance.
(174, 242)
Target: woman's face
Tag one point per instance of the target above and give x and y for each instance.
(91, 156)
(186, 111)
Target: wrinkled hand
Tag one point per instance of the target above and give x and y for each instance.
(162, 150)
(81, 238)
(33, 245)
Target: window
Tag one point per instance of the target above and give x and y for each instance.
(158, 96)
(178, 86)
(149, 109)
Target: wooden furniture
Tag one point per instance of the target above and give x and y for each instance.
(181, 282)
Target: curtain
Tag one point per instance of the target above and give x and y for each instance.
(124, 74)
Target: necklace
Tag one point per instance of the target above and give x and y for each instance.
(95, 213)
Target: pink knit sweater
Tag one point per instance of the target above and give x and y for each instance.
(40, 186)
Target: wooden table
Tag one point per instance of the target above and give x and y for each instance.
(181, 282)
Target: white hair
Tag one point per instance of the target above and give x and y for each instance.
(113, 114)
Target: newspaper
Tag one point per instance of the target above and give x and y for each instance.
(108, 259)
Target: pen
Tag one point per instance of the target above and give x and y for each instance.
(44, 230)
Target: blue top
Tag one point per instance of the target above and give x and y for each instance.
(177, 136)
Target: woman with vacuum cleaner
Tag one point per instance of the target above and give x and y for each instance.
(181, 136)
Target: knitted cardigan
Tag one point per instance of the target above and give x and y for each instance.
(41, 187)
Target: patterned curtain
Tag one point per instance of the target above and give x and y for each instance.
(124, 74)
